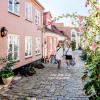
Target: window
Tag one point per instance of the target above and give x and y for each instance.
(28, 46)
(13, 6)
(38, 45)
(28, 11)
(13, 47)
(37, 17)
(73, 35)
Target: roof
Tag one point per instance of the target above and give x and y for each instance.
(48, 12)
(67, 31)
(39, 3)
(59, 24)
(55, 30)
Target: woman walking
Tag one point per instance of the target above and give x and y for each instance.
(59, 54)
(68, 54)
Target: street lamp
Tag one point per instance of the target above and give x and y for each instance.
(3, 32)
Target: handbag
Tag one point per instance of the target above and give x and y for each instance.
(72, 62)
(53, 59)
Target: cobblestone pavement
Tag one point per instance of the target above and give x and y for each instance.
(49, 83)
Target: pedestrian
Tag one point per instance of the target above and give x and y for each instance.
(59, 54)
(68, 54)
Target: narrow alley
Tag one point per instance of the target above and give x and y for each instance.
(50, 83)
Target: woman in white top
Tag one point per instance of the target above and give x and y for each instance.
(59, 54)
(68, 54)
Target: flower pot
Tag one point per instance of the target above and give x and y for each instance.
(8, 80)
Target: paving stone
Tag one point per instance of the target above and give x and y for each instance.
(50, 84)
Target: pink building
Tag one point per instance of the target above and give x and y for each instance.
(51, 36)
(22, 19)
(71, 33)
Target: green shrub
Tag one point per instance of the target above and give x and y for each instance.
(84, 55)
(27, 70)
(38, 64)
(73, 45)
(80, 48)
(7, 71)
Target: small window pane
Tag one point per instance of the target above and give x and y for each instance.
(28, 46)
(16, 8)
(10, 5)
(15, 55)
(28, 11)
(10, 56)
(10, 47)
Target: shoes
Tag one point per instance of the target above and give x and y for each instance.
(68, 66)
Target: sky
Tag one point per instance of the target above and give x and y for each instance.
(59, 7)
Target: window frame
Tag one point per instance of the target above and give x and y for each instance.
(38, 48)
(27, 49)
(28, 15)
(37, 17)
(13, 8)
(12, 36)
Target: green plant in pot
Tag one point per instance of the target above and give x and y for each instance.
(7, 76)
(7, 72)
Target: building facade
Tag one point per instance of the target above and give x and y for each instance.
(22, 19)
(51, 36)
(71, 33)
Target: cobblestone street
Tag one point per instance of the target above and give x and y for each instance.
(50, 83)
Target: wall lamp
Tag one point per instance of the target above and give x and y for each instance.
(3, 31)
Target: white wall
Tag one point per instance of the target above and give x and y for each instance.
(77, 38)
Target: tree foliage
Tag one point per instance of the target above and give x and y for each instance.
(91, 38)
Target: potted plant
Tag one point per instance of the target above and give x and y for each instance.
(7, 76)
(7, 72)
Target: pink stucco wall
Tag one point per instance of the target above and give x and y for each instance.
(18, 25)
(47, 16)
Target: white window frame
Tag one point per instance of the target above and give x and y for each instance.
(28, 46)
(37, 45)
(37, 17)
(28, 11)
(15, 40)
(13, 7)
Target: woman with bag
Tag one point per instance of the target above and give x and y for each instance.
(59, 54)
(68, 54)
